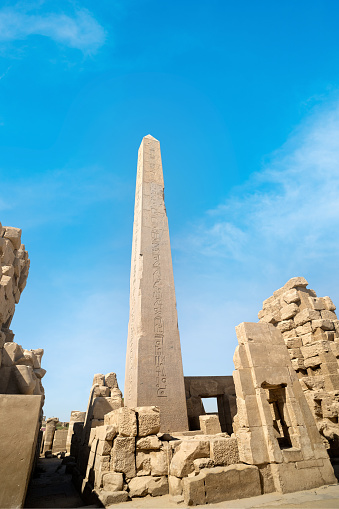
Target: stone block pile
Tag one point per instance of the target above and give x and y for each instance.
(310, 329)
(129, 457)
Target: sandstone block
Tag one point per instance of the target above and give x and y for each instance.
(143, 463)
(122, 456)
(101, 390)
(188, 450)
(224, 451)
(194, 490)
(201, 463)
(108, 498)
(291, 296)
(124, 420)
(306, 315)
(106, 432)
(111, 381)
(322, 324)
(289, 311)
(328, 315)
(12, 352)
(295, 353)
(209, 424)
(175, 485)
(138, 486)
(317, 303)
(293, 342)
(159, 463)
(158, 486)
(104, 447)
(113, 481)
(14, 235)
(301, 330)
(329, 304)
(148, 443)
(231, 483)
(285, 325)
(148, 420)
(98, 379)
(102, 406)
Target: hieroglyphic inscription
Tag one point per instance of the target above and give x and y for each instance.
(157, 218)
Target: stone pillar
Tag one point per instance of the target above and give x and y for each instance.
(49, 433)
(154, 373)
(76, 416)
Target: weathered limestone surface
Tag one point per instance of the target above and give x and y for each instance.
(59, 440)
(310, 329)
(154, 374)
(19, 426)
(274, 424)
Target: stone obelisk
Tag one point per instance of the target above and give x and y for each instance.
(154, 373)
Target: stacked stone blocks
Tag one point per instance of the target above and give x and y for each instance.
(310, 329)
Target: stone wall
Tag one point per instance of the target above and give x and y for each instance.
(130, 458)
(274, 425)
(310, 329)
(20, 369)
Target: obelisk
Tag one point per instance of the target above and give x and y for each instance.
(154, 373)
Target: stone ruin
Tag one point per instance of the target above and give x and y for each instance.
(277, 420)
(310, 329)
(265, 437)
(21, 390)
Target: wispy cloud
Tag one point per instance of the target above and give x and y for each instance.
(80, 30)
(292, 205)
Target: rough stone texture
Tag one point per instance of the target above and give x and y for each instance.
(209, 424)
(154, 374)
(19, 426)
(224, 451)
(274, 423)
(148, 420)
(113, 481)
(313, 344)
(122, 457)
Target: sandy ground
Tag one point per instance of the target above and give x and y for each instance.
(53, 488)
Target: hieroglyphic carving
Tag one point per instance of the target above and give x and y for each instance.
(156, 232)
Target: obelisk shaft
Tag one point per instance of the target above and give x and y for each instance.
(154, 374)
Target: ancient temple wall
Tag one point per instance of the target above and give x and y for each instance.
(274, 426)
(310, 329)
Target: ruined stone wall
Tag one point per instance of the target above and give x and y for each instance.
(20, 369)
(130, 458)
(310, 329)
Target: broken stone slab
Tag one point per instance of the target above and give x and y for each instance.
(174, 485)
(201, 463)
(102, 406)
(189, 450)
(98, 379)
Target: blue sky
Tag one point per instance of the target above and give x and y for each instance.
(244, 98)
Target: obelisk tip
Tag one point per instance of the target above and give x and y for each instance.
(150, 137)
